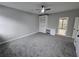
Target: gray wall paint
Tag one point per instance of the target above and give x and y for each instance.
(14, 22)
(53, 20)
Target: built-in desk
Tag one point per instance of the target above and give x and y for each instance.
(51, 31)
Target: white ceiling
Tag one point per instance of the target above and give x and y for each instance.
(32, 6)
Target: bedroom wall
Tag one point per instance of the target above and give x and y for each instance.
(15, 22)
(53, 20)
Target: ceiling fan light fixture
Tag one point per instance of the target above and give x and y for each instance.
(43, 10)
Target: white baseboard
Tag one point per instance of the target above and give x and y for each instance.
(69, 36)
(18, 37)
(65, 35)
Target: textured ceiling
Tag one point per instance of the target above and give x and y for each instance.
(32, 6)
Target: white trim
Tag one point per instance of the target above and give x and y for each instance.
(18, 37)
(69, 36)
(64, 35)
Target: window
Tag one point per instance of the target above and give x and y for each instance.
(63, 21)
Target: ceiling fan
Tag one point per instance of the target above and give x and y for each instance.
(43, 9)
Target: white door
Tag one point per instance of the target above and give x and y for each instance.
(76, 35)
(76, 31)
(42, 23)
(77, 44)
(76, 27)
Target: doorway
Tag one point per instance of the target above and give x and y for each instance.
(62, 28)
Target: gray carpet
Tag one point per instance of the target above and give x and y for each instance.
(39, 45)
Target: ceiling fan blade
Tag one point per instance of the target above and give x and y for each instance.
(48, 9)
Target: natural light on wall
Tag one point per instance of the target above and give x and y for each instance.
(6, 26)
(9, 27)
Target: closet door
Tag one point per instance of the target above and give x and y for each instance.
(76, 27)
(77, 44)
(76, 35)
